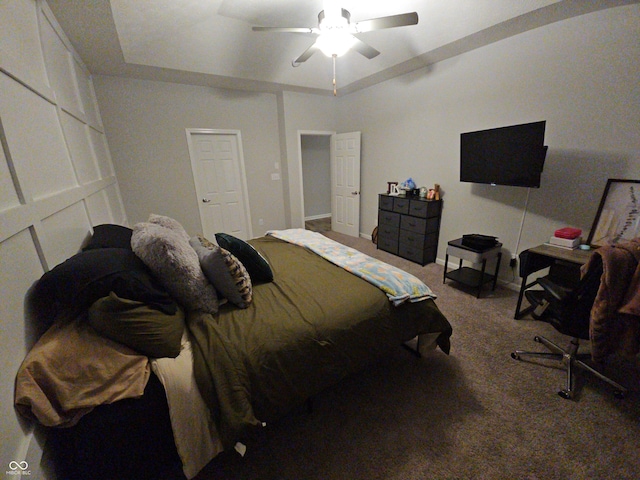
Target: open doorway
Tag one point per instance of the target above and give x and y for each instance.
(315, 149)
(344, 185)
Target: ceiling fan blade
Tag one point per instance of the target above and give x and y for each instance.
(305, 56)
(285, 29)
(392, 21)
(364, 49)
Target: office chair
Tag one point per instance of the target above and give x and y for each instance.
(569, 312)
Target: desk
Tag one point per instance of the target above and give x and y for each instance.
(564, 268)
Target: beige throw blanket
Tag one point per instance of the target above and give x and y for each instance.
(71, 370)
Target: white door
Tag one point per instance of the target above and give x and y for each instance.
(345, 183)
(218, 171)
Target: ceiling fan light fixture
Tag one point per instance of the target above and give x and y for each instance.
(334, 38)
(335, 33)
(334, 42)
(339, 19)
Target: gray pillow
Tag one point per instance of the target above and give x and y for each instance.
(169, 223)
(224, 271)
(175, 265)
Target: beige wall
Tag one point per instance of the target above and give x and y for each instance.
(146, 126)
(145, 123)
(580, 75)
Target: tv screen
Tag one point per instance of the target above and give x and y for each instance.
(511, 155)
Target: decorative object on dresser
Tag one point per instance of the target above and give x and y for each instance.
(409, 226)
(433, 193)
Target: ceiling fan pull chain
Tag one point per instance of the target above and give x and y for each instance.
(335, 92)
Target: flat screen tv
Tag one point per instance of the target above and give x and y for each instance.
(511, 155)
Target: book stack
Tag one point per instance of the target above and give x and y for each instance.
(566, 238)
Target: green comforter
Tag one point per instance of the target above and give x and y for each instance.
(312, 326)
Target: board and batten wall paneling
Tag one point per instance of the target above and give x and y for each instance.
(56, 182)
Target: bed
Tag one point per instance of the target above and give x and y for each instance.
(291, 323)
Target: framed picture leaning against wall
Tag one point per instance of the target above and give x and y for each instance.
(618, 216)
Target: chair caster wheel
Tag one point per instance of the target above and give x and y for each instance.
(619, 394)
(565, 394)
(515, 356)
(537, 339)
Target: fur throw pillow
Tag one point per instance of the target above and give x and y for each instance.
(175, 265)
(169, 223)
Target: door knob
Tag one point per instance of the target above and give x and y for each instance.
(205, 200)
(355, 193)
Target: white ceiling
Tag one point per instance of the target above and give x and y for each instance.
(210, 42)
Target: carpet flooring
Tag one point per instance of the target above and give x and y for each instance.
(474, 414)
(321, 225)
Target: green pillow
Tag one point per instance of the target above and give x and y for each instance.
(257, 266)
(138, 326)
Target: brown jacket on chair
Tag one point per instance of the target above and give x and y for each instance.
(615, 316)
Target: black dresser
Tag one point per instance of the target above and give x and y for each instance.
(409, 227)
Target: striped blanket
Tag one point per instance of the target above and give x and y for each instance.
(399, 285)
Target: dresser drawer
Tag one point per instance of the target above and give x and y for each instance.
(401, 205)
(385, 203)
(412, 239)
(424, 209)
(388, 218)
(419, 255)
(413, 224)
(388, 243)
(388, 231)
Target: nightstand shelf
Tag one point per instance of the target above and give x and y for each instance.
(470, 276)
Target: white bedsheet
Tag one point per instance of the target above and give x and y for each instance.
(194, 431)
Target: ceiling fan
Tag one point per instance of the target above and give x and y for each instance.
(336, 33)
